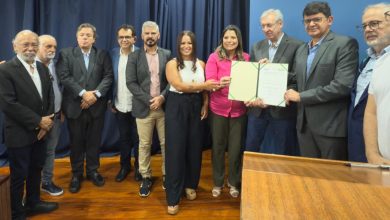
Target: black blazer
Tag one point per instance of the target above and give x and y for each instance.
(138, 79)
(74, 77)
(285, 54)
(21, 103)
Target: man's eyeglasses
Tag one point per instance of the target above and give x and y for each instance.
(373, 25)
(125, 37)
(314, 20)
(387, 15)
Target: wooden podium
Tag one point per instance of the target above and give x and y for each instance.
(283, 187)
(5, 202)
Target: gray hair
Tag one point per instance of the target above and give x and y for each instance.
(87, 25)
(151, 24)
(278, 14)
(384, 6)
(23, 32)
(43, 37)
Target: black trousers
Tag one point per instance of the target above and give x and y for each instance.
(85, 135)
(183, 138)
(25, 164)
(128, 138)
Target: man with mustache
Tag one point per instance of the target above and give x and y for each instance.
(27, 101)
(376, 116)
(46, 53)
(146, 80)
(325, 69)
(377, 36)
(86, 75)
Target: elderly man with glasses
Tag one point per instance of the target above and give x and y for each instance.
(376, 33)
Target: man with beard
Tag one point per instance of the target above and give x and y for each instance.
(46, 53)
(272, 129)
(376, 116)
(325, 69)
(27, 101)
(86, 75)
(377, 36)
(146, 80)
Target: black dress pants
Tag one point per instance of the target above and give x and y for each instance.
(183, 138)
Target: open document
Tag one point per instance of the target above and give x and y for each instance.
(251, 80)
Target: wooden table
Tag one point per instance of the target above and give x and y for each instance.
(5, 204)
(283, 187)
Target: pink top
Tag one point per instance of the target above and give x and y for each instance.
(219, 102)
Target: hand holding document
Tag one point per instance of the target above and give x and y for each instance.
(251, 80)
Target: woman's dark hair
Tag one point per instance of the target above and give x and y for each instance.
(179, 59)
(239, 50)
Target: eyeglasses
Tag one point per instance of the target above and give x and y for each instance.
(387, 15)
(125, 37)
(314, 20)
(373, 25)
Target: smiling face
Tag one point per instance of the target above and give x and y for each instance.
(230, 41)
(317, 25)
(85, 38)
(47, 48)
(271, 28)
(377, 38)
(186, 47)
(126, 39)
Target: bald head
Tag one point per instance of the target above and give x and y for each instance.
(47, 48)
(26, 45)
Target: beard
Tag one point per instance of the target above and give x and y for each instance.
(28, 57)
(50, 55)
(150, 42)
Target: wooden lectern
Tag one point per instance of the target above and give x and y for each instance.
(284, 187)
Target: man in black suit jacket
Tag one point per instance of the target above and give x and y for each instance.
(325, 69)
(27, 100)
(86, 75)
(146, 80)
(272, 129)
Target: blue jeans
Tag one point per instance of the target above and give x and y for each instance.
(51, 144)
(266, 134)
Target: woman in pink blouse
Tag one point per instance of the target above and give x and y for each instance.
(228, 119)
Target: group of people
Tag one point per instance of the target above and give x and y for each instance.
(335, 108)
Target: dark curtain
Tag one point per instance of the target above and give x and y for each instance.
(60, 18)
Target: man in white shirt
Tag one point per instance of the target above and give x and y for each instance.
(122, 102)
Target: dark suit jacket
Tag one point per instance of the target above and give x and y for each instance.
(20, 101)
(285, 54)
(325, 95)
(138, 80)
(356, 146)
(115, 54)
(74, 77)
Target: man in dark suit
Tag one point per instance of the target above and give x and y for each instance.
(325, 69)
(376, 35)
(272, 129)
(146, 80)
(86, 75)
(27, 101)
(122, 102)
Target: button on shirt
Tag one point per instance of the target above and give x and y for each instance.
(273, 47)
(123, 98)
(33, 72)
(365, 76)
(153, 64)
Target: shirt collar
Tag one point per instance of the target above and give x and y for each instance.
(154, 51)
(319, 42)
(86, 53)
(132, 50)
(372, 54)
(276, 45)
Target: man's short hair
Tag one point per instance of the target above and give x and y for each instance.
(278, 14)
(87, 25)
(384, 6)
(16, 39)
(45, 36)
(126, 27)
(150, 24)
(317, 7)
